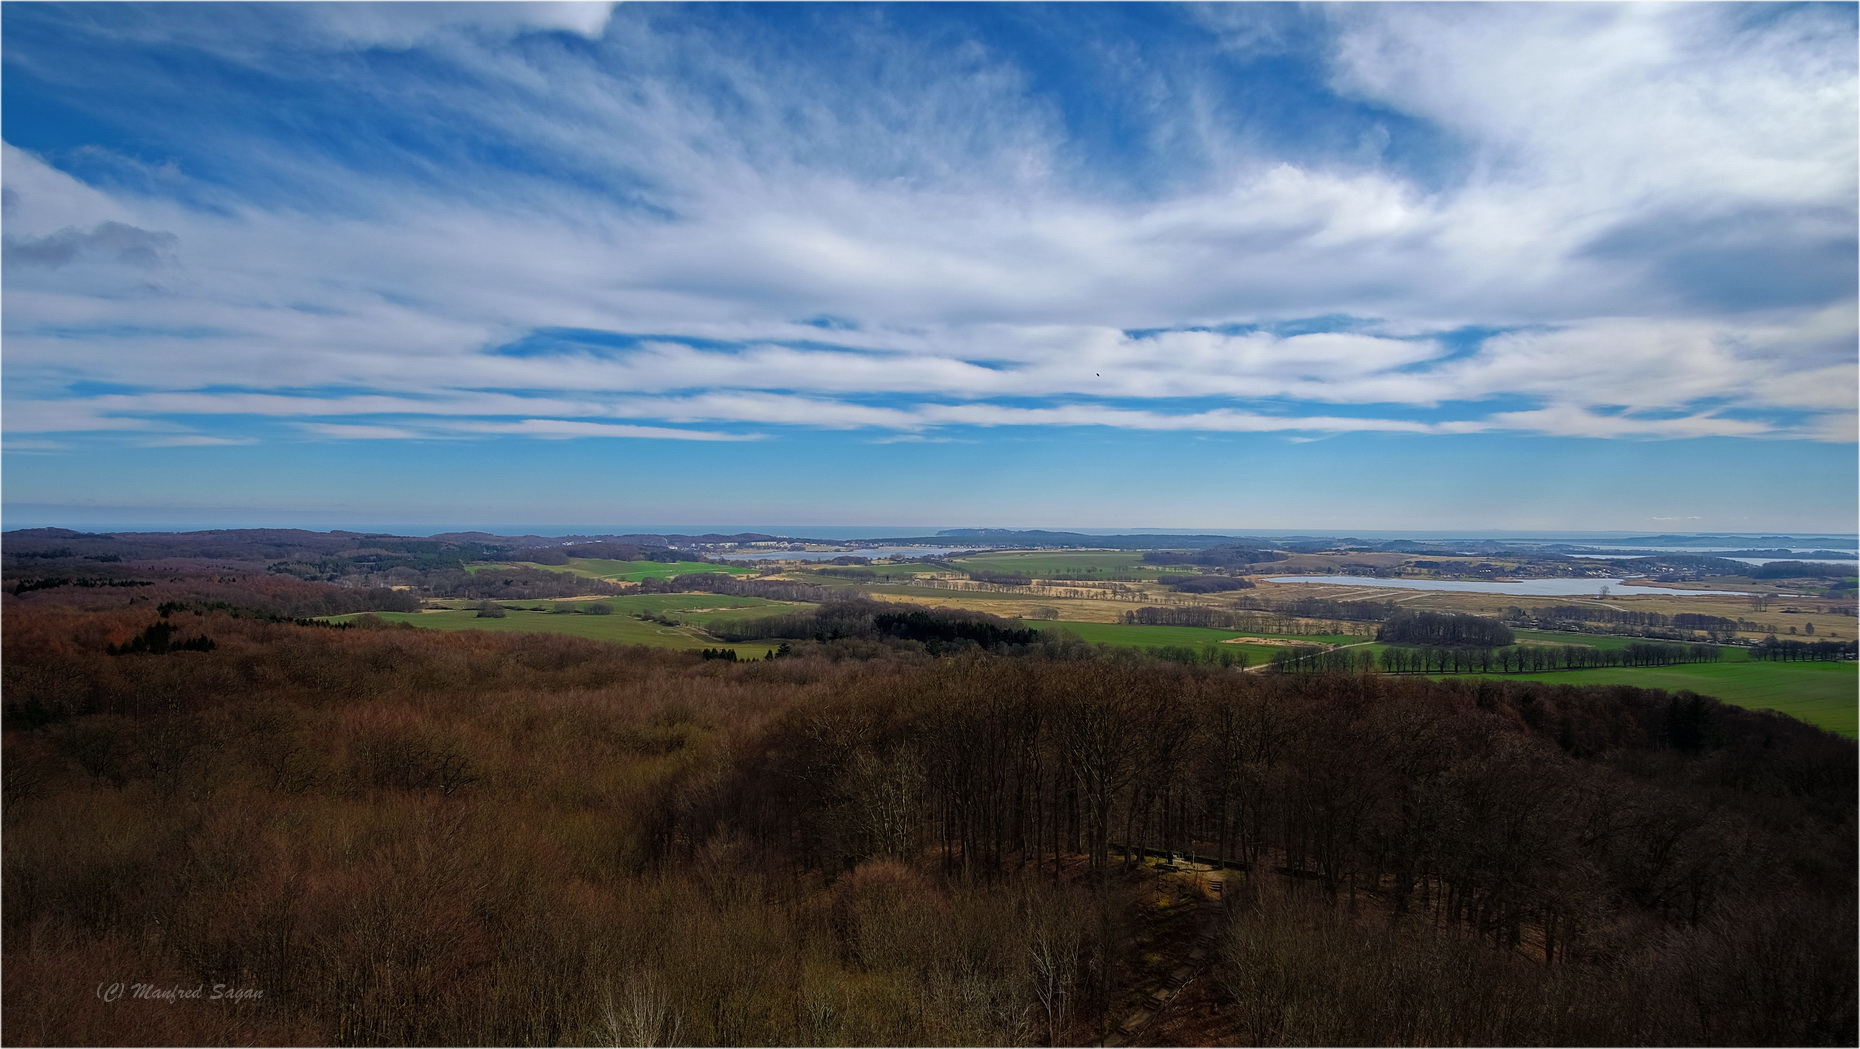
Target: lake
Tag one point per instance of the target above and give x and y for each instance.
(1527, 587)
(1746, 560)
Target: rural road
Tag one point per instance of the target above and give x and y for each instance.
(1263, 667)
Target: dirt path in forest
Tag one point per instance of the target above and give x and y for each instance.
(1207, 885)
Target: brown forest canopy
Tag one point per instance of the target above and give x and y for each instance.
(418, 837)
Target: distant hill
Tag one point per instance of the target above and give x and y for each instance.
(285, 544)
(1008, 537)
(1835, 541)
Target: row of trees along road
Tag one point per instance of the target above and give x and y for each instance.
(1532, 659)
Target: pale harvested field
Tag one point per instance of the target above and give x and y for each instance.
(1828, 623)
(1014, 606)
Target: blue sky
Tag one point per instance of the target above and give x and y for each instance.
(1252, 266)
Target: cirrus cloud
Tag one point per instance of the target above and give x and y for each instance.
(557, 221)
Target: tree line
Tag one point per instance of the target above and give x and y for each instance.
(1680, 567)
(27, 586)
(983, 575)
(1200, 655)
(1583, 618)
(1210, 584)
(158, 639)
(1536, 659)
(1774, 649)
(939, 629)
(1227, 619)
(1798, 570)
(1322, 659)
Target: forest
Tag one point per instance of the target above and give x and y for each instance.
(1443, 628)
(937, 629)
(1213, 584)
(403, 836)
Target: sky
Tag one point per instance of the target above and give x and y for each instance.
(1234, 267)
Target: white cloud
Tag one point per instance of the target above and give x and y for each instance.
(936, 211)
(402, 25)
(1620, 101)
(1835, 426)
(1565, 420)
(562, 429)
(71, 416)
(547, 429)
(352, 432)
(194, 440)
(56, 199)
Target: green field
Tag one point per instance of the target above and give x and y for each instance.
(903, 571)
(1821, 694)
(1138, 636)
(621, 571)
(1608, 642)
(692, 610)
(683, 606)
(1047, 564)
